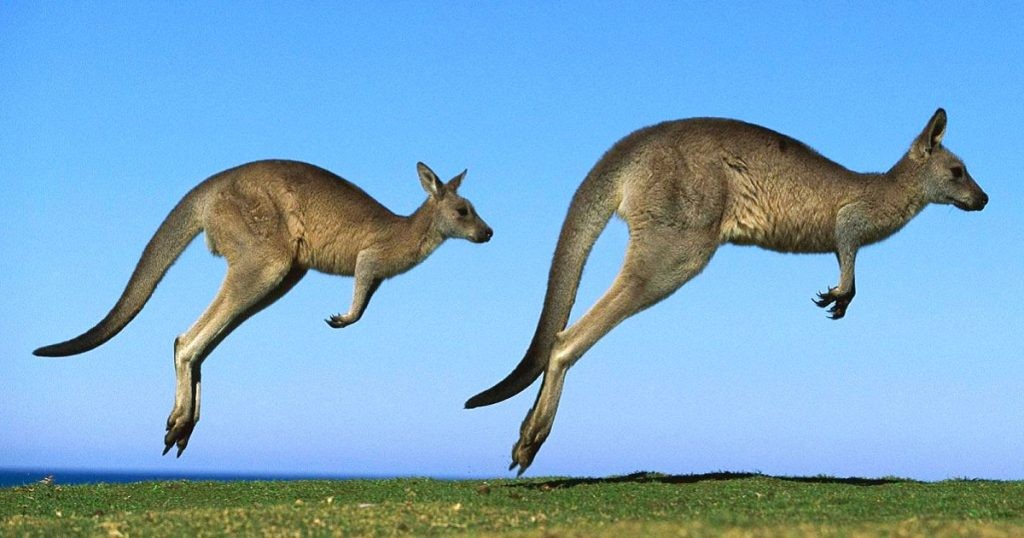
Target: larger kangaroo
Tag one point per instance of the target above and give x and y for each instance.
(272, 221)
(684, 188)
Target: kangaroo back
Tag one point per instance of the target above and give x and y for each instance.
(592, 207)
(175, 233)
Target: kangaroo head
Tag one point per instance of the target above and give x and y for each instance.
(944, 176)
(454, 216)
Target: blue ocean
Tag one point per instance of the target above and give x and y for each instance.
(21, 477)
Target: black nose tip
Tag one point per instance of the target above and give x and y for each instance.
(488, 234)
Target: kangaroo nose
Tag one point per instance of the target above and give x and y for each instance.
(978, 201)
(488, 234)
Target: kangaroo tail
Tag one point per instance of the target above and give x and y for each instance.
(591, 209)
(175, 233)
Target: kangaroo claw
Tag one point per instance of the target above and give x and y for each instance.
(337, 321)
(523, 453)
(842, 301)
(825, 298)
(179, 430)
(521, 464)
(520, 471)
(836, 312)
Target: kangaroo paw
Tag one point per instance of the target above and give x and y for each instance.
(841, 300)
(338, 321)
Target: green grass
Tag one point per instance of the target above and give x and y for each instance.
(644, 504)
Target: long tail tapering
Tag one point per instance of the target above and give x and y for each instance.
(175, 233)
(592, 207)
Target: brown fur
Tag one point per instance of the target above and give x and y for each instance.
(684, 188)
(272, 221)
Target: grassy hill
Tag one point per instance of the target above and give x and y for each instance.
(646, 504)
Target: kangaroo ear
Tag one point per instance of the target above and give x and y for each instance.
(429, 180)
(455, 182)
(931, 136)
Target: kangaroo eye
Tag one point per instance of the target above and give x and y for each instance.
(958, 172)
(463, 211)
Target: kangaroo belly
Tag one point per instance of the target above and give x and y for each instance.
(333, 252)
(780, 235)
(781, 223)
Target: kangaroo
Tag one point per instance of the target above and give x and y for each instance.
(273, 221)
(684, 188)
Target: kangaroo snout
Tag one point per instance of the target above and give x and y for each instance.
(981, 201)
(483, 236)
(977, 201)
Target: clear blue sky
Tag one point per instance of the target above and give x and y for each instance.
(109, 114)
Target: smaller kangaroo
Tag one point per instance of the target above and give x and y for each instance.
(684, 188)
(272, 221)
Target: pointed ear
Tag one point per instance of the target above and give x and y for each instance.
(455, 182)
(936, 128)
(429, 180)
(931, 136)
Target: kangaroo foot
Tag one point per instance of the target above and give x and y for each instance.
(841, 302)
(526, 448)
(179, 429)
(522, 456)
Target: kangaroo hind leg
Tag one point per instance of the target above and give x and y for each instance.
(657, 263)
(251, 284)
